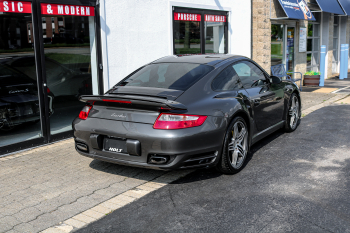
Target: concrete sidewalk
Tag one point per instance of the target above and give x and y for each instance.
(54, 186)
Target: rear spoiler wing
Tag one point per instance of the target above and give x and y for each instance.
(134, 99)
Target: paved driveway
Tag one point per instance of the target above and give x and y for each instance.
(296, 182)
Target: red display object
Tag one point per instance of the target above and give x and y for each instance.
(62, 9)
(187, 17)
(15, 7)
(214, 18)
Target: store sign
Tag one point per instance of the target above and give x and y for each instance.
(59, 9)
(15, 7)
(302, 40)
(187, 17)
(215, 18)
(297, 9)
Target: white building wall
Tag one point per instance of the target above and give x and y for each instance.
(136, 32)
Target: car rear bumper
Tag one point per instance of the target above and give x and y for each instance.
(185, 148)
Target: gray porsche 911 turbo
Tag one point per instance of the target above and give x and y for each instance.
(187, 112)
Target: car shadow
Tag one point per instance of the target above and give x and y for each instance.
(197, 175)
(126, 171)
(204, 174)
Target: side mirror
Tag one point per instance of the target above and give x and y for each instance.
(275, 80)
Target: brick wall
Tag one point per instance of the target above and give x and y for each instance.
(261, 39)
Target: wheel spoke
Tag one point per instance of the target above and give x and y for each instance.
(292, 121)
(234, 157)
(241, 135)
(231, 146)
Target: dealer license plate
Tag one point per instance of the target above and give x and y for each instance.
(115, 145)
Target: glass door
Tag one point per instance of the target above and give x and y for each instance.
(277, 44)
(20, 118)
(70, 60)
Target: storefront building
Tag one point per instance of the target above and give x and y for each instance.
(53, 51)
(280, 36)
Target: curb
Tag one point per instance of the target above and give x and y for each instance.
(324, 104)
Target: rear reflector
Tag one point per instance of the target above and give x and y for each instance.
(85, 112)
(118, 101)
(178, 121)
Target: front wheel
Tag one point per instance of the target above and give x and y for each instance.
(293, 113)
(235, 147)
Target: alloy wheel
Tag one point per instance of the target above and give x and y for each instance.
(294, 112)
(238, 146)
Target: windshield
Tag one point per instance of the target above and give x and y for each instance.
(178, 76)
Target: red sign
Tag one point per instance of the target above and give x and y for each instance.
(61, 9)
(215, 18)
(187, 17)
(15, 7)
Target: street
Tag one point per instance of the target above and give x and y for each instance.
(294, 182)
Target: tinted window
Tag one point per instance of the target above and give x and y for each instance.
(249, 74)
(178, 76)
(227, 80)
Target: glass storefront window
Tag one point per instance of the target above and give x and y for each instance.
(32, 100)
(277, 45)
(187, 33)
(19, 101)
(215, 33)
(70, 64)
(199, 32)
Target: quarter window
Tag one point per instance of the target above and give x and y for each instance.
(227, 80)
(249, 74)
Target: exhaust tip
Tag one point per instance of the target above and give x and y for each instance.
(81, 146)
(158, 159)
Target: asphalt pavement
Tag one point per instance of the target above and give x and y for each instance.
(293, 182)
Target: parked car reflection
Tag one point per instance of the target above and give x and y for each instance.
(63, 80)
(19, 101)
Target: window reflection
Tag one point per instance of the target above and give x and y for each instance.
(276, 44)
(187, 37)
(69, 49)
(19, 103)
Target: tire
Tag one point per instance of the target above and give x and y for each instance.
(292, 113)
(235, 149)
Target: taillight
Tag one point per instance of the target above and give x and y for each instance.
(85, 112)
(178, 121)
(48, 90)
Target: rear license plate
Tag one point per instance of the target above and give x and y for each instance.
(115, 145)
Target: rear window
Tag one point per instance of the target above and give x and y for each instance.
(177, 76)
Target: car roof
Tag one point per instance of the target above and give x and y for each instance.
(212, 59)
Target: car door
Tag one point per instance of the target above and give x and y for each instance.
(266, 99)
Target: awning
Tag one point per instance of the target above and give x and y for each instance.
(330, 6)
(297, 9)
(345, 4)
